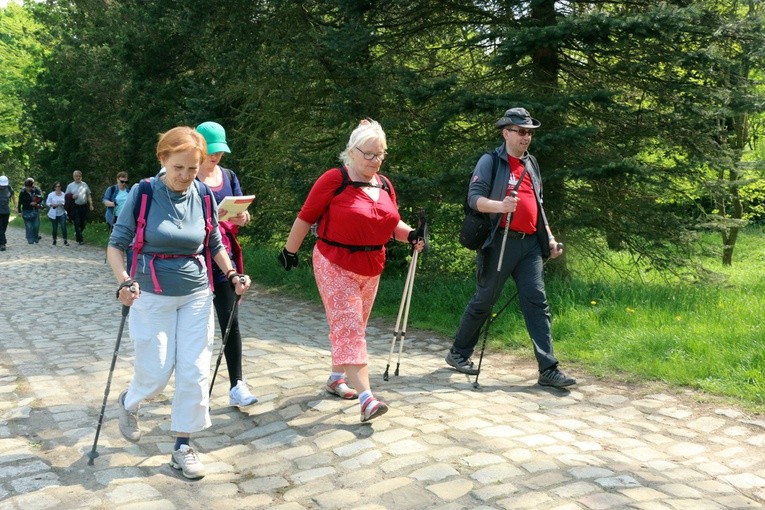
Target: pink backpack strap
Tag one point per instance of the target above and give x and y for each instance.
(140, 228)
(208, 231)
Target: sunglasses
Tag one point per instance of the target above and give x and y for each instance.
(522, 132)
(123, 182)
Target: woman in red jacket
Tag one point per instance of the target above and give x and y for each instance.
(349, 256)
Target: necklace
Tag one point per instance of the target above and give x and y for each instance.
(178, 222)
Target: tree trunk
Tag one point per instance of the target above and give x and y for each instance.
(546, 79)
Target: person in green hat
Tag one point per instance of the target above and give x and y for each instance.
(224, 183)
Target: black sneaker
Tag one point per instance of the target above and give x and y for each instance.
(555, 378)
(461, 363)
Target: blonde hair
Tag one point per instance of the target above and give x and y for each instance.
(181, 139)
(367, 129)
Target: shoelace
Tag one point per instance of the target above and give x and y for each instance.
(190, 457)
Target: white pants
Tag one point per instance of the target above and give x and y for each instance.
(173, 332)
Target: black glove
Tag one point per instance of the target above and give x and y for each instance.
(287, 259)
(419, 233)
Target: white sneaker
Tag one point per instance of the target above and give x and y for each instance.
(187, 460)
(240, 395)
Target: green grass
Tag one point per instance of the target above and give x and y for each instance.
(705, 336)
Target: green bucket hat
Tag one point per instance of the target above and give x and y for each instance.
(215, 136)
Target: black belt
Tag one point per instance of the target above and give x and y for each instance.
(353, 247)
(512, 234)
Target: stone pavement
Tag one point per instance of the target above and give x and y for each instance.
(511, 444)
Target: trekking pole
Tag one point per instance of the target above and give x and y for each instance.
(93, 453)
(493, 317)
(234, 310)
(406, 297)
(404, 304)
(504, 236)
(402, 337)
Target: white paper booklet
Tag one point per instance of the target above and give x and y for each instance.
(234, 206)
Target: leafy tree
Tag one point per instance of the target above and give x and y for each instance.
(20, 54)
(638, 100)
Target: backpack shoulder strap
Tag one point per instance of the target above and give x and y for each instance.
(360, 184)
(385, 183)
(140, 213)
(207, 205)
(346, 180)
(496, 159)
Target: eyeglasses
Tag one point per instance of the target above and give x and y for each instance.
(522, 132)
(123, 182)
(369, 156)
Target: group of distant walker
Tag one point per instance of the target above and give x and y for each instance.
(74, 204)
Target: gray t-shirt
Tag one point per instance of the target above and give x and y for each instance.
(79, 191)
(6, 192)
(179, 276)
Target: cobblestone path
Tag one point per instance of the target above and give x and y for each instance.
(511, 444)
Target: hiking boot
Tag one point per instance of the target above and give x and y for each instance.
(341, 389)
(372, 408)
(461, 363)
(240, 395)
(2, 247)
(66, 243)
(128, 421)
(54, 242)
(555, 378)
(187, 460)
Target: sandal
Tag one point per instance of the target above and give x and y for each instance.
(372, 408)
(340, 388)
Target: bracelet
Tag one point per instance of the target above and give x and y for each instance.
(230, 277)
(228, 273)
(127, 283)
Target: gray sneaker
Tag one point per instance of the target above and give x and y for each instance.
(461, 363)
(555, 378)
(128, 421)
(187, 460)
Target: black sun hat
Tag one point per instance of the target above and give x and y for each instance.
(518, 117)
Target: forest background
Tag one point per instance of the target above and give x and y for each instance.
(651, 117)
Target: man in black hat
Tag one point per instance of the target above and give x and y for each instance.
(514, 194)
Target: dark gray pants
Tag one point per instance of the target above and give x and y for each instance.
(522, 261)
(80, 220)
